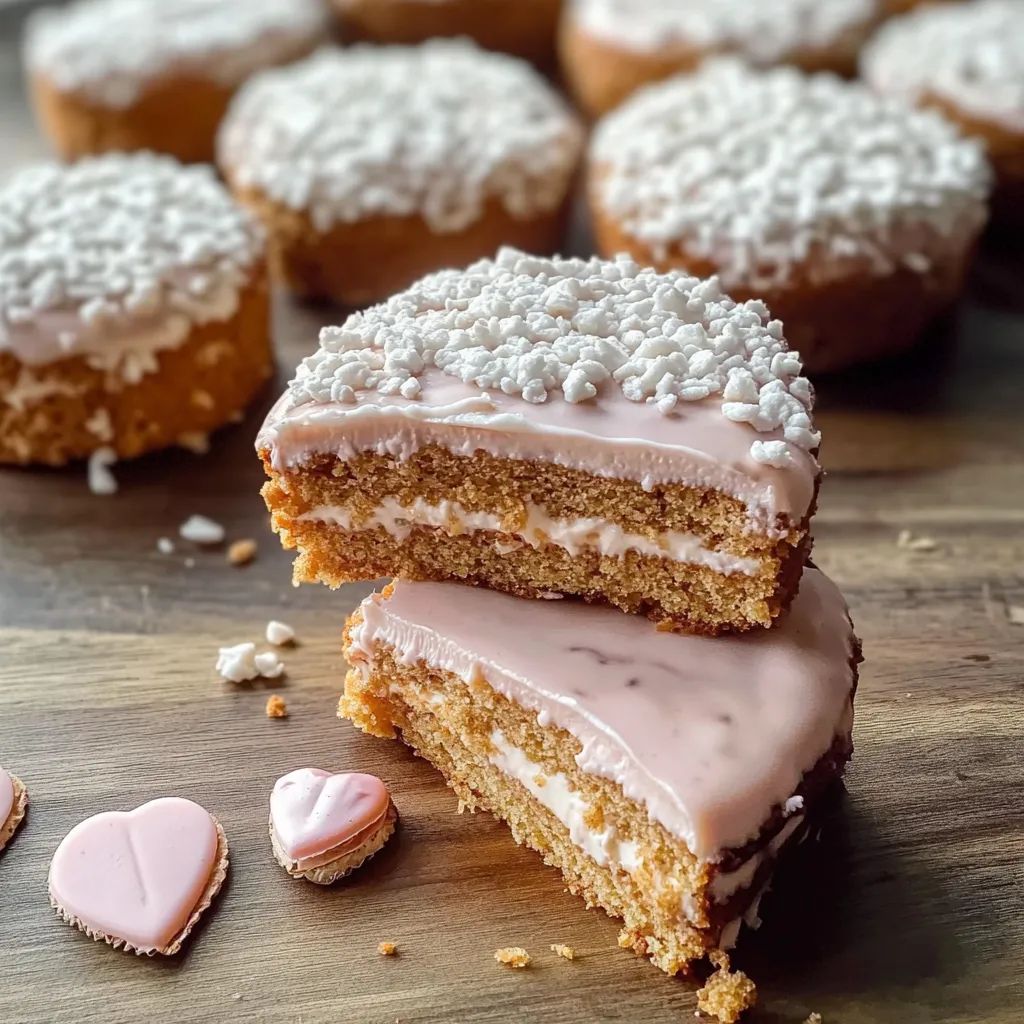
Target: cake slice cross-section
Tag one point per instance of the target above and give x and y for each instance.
(662, 773)
(537, 426)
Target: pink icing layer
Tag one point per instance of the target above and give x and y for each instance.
(607, 436)
(709, 734)
(6, 796)
(137, 875)
(313, 811)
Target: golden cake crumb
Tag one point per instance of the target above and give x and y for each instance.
(814, 1018)
(564, 951)
(242, 552)
(514, 956)
(276, 707)
(726, 995)
(387, 948)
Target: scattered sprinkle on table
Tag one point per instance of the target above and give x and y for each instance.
(101, 480)
(201, 530)
(513, 956)
(279, 633)
(909, 542)
(165, 546)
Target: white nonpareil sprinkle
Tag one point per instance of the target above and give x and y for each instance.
(279, 633)
(101, 480)
(269, 665)
(165, 546)
(531, 326)
(201, 530)
(765, 33)
(241, 663)
(238, 663)
(92, 252)
(113, 48)
(970, 54)
(762, 172)
(433, 130)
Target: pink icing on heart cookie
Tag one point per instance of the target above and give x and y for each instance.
(313, 811)
(140, 878)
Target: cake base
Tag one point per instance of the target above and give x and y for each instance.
(601, 75)
(357, 264)
(679, 595)
(61, 411)
(664, 894)
(525, 28)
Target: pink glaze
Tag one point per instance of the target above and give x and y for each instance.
(709, 734)
(313, 811)
(137, 875)
(6, 796)
(607, 436)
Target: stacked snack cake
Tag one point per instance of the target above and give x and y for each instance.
(583, 429)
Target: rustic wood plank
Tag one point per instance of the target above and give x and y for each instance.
(906, 909)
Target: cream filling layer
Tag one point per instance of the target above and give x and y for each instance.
(606, 847)
(572, 535)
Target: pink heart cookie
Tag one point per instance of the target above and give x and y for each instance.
(13, 804)
(322, 826)
(140, 879)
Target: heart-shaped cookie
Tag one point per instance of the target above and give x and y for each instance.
(140, 879)
(13, 803)
(322, 826)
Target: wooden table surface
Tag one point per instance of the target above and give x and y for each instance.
(907, 910)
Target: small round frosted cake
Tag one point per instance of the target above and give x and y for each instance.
(125, 75)
(609, 48)
(372, 166)
(966, 60)
(525, 28)
(133, 308)
(852, 216)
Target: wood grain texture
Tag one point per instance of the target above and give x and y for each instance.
(906, 910)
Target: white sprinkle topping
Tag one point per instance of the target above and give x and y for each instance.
(101, 480)
(434, 130)
(165, 546)
(116, 257)
(112, 49)
(970, 54)
(279, 633)
(762, 173)
(238, 663)
(764, 33)
(201, 530)
(530, 326)
(269, 664)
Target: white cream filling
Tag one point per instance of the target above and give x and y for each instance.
(605, 847)
(724, 885)
(573, 535)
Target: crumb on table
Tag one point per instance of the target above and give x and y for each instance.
(513, 956)
(563, 951)
(726, 994)
(276, 707)
(242, 552)
(387, 948)
(814, 1018)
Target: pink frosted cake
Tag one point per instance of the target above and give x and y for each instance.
(537, 426)
(663, 773)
